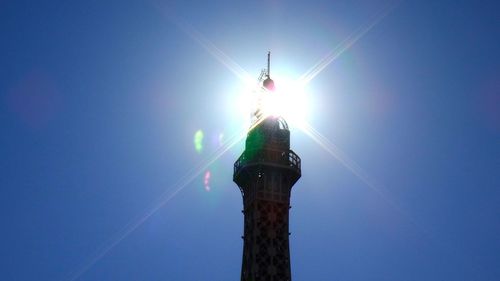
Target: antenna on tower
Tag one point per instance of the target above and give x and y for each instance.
(269, 64)
(268, 83)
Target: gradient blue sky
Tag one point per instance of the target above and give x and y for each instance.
(100, 101)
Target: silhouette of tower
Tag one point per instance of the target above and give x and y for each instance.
(265, 173)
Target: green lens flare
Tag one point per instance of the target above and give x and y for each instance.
(198, 141)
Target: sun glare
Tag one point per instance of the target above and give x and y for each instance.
(289, 100)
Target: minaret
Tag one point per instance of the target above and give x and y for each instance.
(265, 174)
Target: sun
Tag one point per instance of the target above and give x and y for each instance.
(289, 100)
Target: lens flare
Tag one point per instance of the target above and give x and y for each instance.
(163, 199)
(206, 180)
(198, 141)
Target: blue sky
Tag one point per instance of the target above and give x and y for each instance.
(100, 102)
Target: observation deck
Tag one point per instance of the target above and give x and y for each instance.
(268, 147)
(275, 158)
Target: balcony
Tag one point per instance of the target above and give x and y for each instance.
(281, 159)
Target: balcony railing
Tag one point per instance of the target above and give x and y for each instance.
(285, 159)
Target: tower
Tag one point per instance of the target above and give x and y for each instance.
(265, 173)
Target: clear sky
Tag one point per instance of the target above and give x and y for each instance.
(101, 101)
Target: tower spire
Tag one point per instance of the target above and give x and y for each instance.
(268, 82)
(269, 64)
